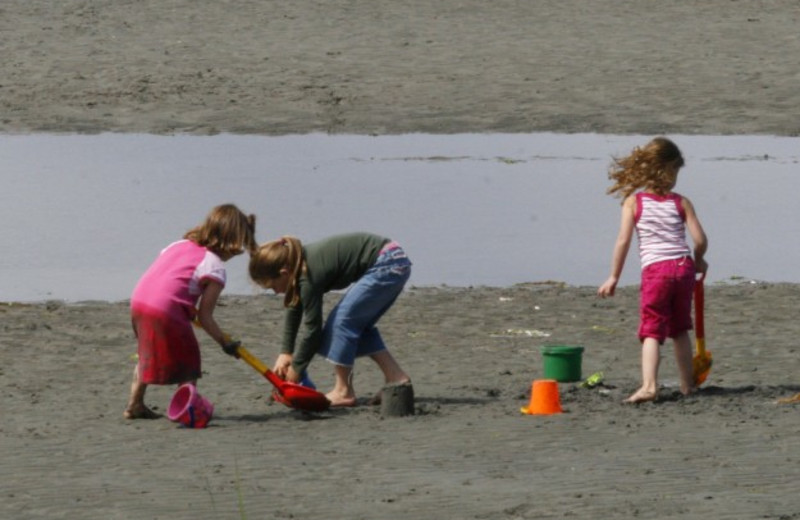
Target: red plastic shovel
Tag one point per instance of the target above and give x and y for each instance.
(292, 395)
(701, 363)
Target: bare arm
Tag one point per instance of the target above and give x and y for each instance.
(621, 247)
(205, 314)
(698, 236)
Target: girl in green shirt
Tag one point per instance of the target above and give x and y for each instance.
(374, 268)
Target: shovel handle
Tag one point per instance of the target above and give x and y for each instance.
(260, 367)
(253, 361)
(699, 303)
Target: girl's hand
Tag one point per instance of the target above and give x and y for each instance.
(701, 267)
(231, 347)
(282, 365)
(292, 376)
(608, 288)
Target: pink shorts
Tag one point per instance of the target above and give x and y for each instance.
(665, 307)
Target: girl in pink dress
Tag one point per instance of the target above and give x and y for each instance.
(183, 284)
(645, 180)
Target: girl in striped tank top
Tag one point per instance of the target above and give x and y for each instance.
(645, 180)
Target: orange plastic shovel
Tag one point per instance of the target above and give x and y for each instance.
(701, 363)
(292, 395)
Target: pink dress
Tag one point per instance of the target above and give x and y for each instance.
(162, 307)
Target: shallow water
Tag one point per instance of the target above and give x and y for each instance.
(83, 216)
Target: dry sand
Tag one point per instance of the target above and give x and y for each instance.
(380, 66)
(713, 66)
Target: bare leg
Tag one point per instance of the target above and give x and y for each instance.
(392, 372)
(343, 393)
(650, 361)
(683, 358)
(136, 408)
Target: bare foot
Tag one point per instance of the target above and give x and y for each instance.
(338, 400)
(642, 396)
(140, 412)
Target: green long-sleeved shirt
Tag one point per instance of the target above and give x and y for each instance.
(332, 263)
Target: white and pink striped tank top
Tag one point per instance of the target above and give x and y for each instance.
(660, 227)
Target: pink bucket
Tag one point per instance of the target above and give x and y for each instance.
(190, 408)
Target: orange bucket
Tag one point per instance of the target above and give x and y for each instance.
(544, 398)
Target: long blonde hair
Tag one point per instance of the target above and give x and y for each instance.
(226, 231)
(268, 260)
(654, 167)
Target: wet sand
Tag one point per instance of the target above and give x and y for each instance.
(728, 452)
(715, 67)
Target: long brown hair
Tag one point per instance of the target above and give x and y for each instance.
(268, 260)
(654, 166)
(226, 231)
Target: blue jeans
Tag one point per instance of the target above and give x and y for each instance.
(350, 331)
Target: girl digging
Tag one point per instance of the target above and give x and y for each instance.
(165, 301)
(645, 180)
(377, 268)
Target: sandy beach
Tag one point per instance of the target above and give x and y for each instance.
(713, 67)
(378, 67)
(468, 452)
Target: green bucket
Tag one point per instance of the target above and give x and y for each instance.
(562, 363)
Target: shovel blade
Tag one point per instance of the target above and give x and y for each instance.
(301, 397)
(701, 364)
(292, 395)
